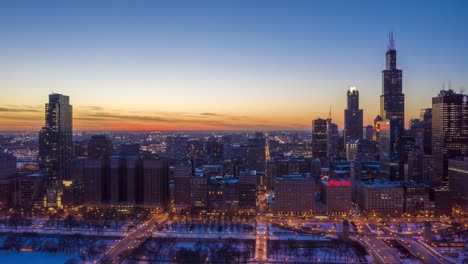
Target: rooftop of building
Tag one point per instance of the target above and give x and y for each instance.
(337, 183)
(212, 166)
(251, 172)
(380, 184)
(370, 164)
(224, 179)
(412, 183)
(344, 172)
(360, 141)
(123, 157)
(37, 174)
(296, 176)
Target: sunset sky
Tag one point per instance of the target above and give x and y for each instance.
(152, 65)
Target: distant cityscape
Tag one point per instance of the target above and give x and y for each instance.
(376, 193)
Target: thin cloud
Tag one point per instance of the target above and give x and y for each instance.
(18, 110)
(22, 118)
(132, 117)
(210, 114)
(92, 107)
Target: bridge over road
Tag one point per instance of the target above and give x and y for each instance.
(121, 250)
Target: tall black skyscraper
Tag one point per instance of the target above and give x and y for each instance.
(319, 138)
(392, 100)
(449, 130)
(55, 140)
(353, 116)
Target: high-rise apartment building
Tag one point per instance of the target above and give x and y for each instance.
(55, 140)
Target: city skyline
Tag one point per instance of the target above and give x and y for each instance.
(233, 131)
(221, 66)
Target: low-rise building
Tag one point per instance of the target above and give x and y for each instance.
(336, 195)
(380, 197)
(294, 194)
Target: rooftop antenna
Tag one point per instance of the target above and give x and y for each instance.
(450, 84)
(391, 41)
(443, 85)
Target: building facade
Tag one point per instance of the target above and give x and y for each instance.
(458, 182)
(336, 196)
(99, 146)
(319, 138)
(380, 198)
(449, 130)
(353, 116)
(294, 194)
(392, 100)
(55, 140)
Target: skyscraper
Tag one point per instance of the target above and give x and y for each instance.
(55, 140)
(392, 100)
(333, 148)
(256, 153)
(319, 138)
(389, 150)
(449, 130)
(426, 119)
(353, 116)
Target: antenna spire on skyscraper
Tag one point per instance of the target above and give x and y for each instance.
(391, 41)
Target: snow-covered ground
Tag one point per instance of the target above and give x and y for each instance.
(315, 255)
(14, 257)
(63, 231)
(204, 235)
(87, 248)
(456, 255)
(412, 227)
(327, 226)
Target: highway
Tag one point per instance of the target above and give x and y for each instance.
(261, 237)
(120, 251)
(380, 250)
(423, 252)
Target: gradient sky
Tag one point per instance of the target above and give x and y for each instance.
(221, 64)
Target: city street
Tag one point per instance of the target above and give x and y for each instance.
(118, 253)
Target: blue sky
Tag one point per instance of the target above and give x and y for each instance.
(276, 64)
